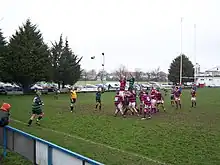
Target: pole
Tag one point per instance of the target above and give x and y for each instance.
(195, 68)
(103, 68)
(181, 54)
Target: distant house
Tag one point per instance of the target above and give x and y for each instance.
(208, 77)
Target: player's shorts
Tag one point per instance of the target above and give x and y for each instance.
(160, 101)
(130, 88)
(193, 98)
(121, 93)
(119, 106)
(37, 111)
(147, 108)
(177, 98)
(132, 104)
(72, 101)
(98, 101)
(153, 102)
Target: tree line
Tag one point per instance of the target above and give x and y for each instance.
(153, 75)
(26, 58)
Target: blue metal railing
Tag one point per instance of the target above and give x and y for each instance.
(50, 146)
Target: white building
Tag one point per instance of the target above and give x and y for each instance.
(210, 77)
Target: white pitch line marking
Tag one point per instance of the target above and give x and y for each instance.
(100, 144)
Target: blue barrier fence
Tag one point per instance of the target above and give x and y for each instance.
(39, 151)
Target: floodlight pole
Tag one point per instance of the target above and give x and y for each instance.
(181, 54)
(103, 68)
(195, 68)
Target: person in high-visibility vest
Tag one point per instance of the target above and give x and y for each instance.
(73, 97)
(4, 114)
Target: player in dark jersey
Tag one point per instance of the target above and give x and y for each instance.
(98, 99)
(193, 98)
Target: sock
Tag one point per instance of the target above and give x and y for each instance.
(71, 108)
(180, 106)
(29, 122)
(144, 115)
(195, 104)
(121, 111)
(192, 104)
(100, 107)
(141, 108)
(39, 118)
(96, 106)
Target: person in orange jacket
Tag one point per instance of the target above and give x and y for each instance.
(4, 114)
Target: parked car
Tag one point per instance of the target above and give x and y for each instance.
(3, 91)
(89, 88)
(165, 86)
(112, 86)
(213, 86)
(145, 86)
(40, 88)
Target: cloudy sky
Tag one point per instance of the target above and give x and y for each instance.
(136, 33)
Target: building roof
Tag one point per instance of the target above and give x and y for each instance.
(217, 68)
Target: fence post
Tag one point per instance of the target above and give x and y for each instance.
(4, 142)
(49, 156)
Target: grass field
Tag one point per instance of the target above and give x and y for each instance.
(182, 137)
(13, 159)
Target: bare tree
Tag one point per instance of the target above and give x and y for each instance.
(148, 75)
(102, 74)
(92, 74)
(138, 74)
(121, 71)
(162, 76)
(84, 76)
(155, 74)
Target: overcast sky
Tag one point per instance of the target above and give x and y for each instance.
(136, 33)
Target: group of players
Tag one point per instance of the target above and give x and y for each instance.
(150, 102)
(125, 100)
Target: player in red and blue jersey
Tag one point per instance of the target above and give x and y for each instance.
(132, 102)
(153, 92)
(118, 104)
(177, 96)
(147, 107)
(193, 98)
(160, 100)
(122, 86)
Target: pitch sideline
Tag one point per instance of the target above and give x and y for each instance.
(100, 144)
